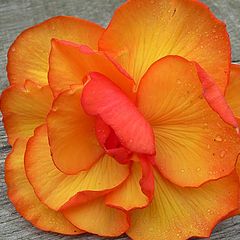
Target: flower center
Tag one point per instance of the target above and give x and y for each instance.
(111, 143)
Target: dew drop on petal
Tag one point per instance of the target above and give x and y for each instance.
(218, 139)
(222, 154)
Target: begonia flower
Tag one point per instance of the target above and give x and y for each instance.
(124, 129)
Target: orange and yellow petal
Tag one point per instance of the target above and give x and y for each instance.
(53, 187)
(143, 31)
(28, 55)
(233, 89)
(71, 134)
(25, 200)
(193, 143)
(69, 63)
(97, 218)
(24, 107)
(182, 213)
(129, 195)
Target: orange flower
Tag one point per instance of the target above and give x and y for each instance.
(124, 129)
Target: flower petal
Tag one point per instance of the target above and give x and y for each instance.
(95, 217)
(215, 98)
(193, 143)
(143, 31)
(233, 89)
(69, 63)
(71, 133)
(28, 56)
(24, 108)
(129, 195)
(55, 188)
(24, 199)
(103, 98)
(182, 213)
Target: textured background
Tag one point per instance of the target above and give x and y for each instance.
(17, 15)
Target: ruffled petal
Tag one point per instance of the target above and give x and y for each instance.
(25, 200)
(24, 108)
(69, 63)
(28, 55)
(143, 31)
(129, 195)
(104, 99)
(71, 134)
(193, 143)
(97, 218)
(233, 89)
(182, 213)
(53, 187)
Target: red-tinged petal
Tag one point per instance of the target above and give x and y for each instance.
(102, 98)
(95, 217)
(55, 188)
(215, 98)
(182, 213)
(69, 63)
(129, 195)
(143, 31)
(24, 107)
(71, 133)
(233, 90)
(193, 143)
(25, 200)
(110, 142)
(28, 55)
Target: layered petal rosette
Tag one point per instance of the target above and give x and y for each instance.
(124, 129)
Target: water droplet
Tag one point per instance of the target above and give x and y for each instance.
(222, 154)
(131, 140)
(179, 82)
(218, 139)
(208, 146)
(13, 49)
(198, 169)
(182, 170)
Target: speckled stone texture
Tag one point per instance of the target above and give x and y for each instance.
(17, 15)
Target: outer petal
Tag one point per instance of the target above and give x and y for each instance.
(129, 195)
(193, 143)
(70, 63)
(55, 188)
(24, 108)
(71, 133)
(143, 31)
(24, 199)
(28, 56)
(95, 217)
(233, 89)
(103, 98)
(182, 213)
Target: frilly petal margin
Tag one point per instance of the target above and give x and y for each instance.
(25, 200)
(233, 89)
(24, 107)
(193, 144)
(143, 31)
(55, 188)
(69, 63)
(182, 213)
(97, 218)
(28, 55)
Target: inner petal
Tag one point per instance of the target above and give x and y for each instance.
(102, 98)
(111, 143)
